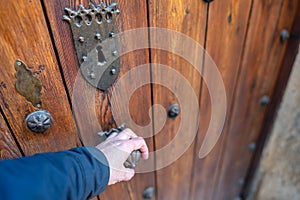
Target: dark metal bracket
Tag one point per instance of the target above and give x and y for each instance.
(94, 30)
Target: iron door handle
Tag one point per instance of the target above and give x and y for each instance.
(133, 159)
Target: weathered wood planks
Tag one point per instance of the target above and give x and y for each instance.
(260, 65)
(187, 17)
(226, 33)
(141, 99)
(8, 147)
(24, 35)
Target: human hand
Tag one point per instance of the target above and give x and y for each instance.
(117, 148)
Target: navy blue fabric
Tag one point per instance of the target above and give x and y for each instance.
(79, 173)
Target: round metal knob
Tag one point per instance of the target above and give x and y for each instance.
(39, 121)
(173, 111)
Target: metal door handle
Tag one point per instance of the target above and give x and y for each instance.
(133, 159)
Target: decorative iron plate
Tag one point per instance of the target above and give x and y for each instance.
(94, 31)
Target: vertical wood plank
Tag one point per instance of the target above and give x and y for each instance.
(8, 147)
(140, 101)
(226, 31)
(281, 83)
(189, 18)
(259, 70)
(24, 35)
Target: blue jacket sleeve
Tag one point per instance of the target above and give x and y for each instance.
(79, 173)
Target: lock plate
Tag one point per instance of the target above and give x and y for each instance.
(28, 85)
(94, 32)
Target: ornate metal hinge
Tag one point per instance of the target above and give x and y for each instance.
(94, 31)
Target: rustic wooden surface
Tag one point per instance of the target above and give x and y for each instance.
(188, 17)
(8, 147)
(231, 17)
(141, 100)
(242, 37)
(281, 83)
(260, 65)
(24, 35)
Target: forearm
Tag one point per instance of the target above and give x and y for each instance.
(72, 174)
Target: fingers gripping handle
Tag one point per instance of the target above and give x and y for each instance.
(134, 157)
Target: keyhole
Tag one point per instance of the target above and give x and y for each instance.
(101, 57)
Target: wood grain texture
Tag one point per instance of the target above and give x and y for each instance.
(8, 147)
(24, 35)
(260, 66)
(226, 32)
(101, 107)
(189, 18)
(281, 83)
(249, 57)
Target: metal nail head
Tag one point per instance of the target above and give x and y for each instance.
(92, 75)
(112, 34)
(115, 53)
(284, 35)
(148, 192)
(98, 36)
(84, 58)
(252, 146)
(81, 39)
(173, 111)
(113, 71)
(265, 100)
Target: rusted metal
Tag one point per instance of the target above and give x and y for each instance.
(27, 84)
(94, 30)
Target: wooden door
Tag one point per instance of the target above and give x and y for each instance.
(246, 40)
